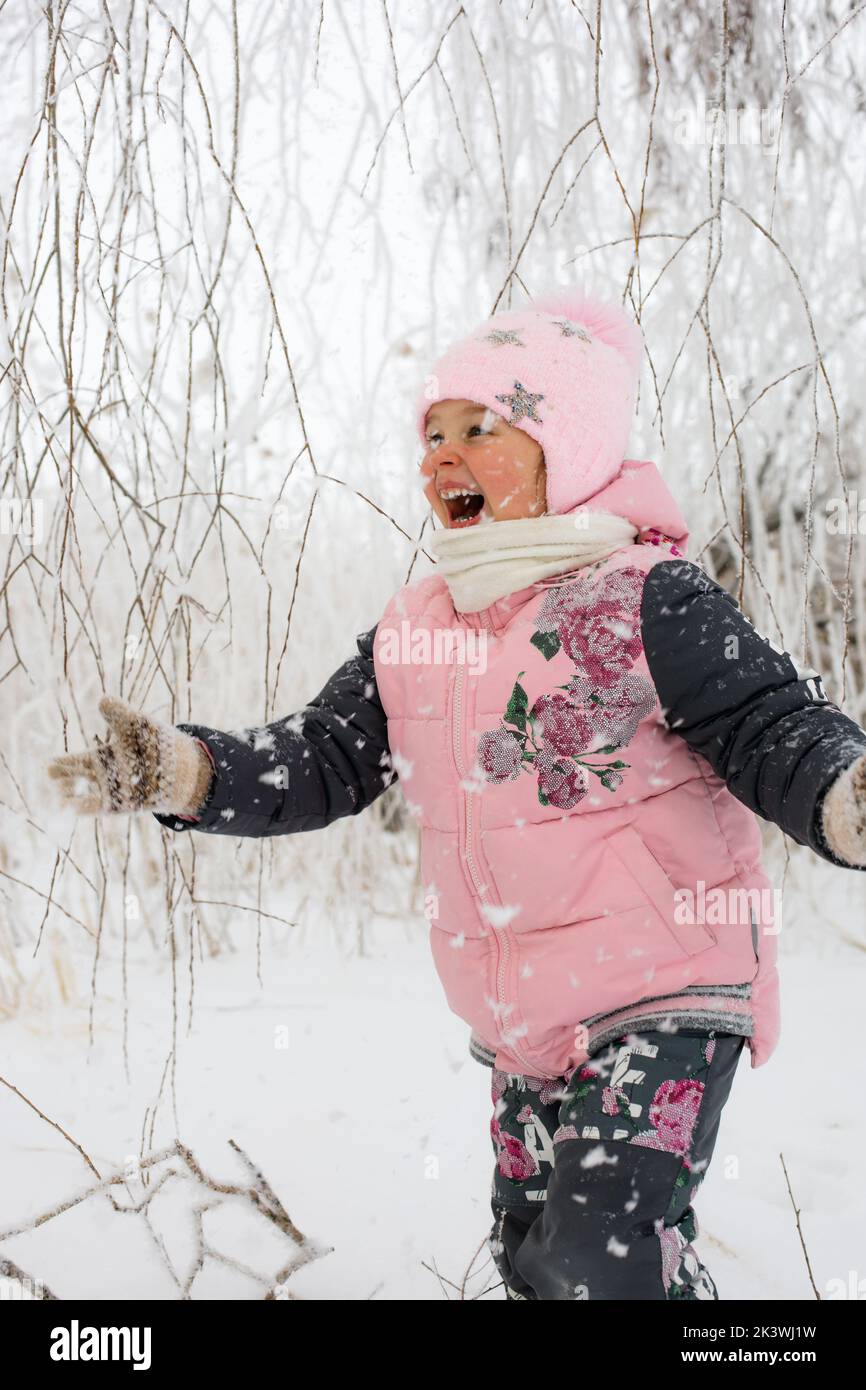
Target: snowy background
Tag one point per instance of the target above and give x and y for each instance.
(235, 235)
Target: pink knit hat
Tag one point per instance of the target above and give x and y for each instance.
(565, 369)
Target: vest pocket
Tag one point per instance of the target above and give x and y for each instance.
(642, 867)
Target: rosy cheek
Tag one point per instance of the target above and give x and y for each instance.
(496, 466)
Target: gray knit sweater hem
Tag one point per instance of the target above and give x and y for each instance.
(644, 1016)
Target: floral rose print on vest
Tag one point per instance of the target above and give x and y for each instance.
(560, 738)
(596, 622)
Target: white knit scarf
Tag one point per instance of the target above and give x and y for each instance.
(483, 563)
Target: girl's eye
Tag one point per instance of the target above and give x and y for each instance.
(433, 440)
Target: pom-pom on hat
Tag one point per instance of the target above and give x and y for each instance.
(565, 369)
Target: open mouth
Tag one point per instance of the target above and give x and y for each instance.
(465, 506)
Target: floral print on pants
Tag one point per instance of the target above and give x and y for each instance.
(596, 1171)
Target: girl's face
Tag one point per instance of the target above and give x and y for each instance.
(499, 467)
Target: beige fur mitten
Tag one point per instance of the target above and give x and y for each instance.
(843, 815)
(141, 766)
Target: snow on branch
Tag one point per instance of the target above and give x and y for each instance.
(145, 1181)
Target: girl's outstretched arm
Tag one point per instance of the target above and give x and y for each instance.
(763, 723)
(327, 760)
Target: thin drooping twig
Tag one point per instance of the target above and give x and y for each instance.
(800, 1229)
(54, 1124)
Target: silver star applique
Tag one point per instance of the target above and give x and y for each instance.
(522, 404)
(572, 330)
(500, 336)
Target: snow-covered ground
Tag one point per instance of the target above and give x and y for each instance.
(348, 1082)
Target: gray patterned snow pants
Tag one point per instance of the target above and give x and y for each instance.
(596, 1172)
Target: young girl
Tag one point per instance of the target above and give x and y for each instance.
(585, 725)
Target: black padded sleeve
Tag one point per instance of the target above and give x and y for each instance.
(328, 760)
(762, 722)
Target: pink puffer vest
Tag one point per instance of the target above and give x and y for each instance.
(554, 887)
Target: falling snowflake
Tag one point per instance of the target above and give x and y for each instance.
(499, 916)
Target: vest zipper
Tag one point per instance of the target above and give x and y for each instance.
(480, 888)
(502, 941)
